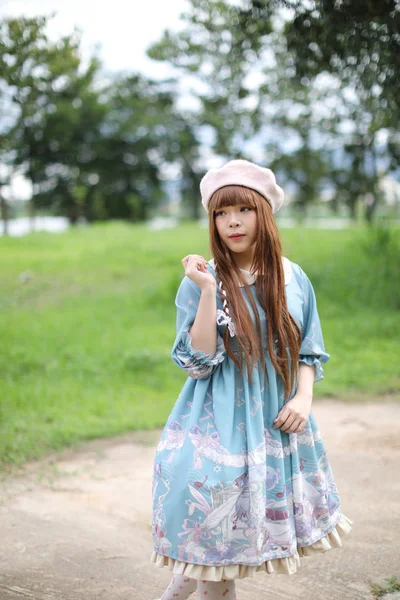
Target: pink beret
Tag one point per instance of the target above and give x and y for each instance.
(242, 172)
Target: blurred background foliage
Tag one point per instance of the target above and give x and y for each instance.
(87, 320)
(87, 317)
(315, 84)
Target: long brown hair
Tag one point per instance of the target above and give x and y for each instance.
(284, 335)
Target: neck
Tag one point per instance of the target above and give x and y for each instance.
(243, 259)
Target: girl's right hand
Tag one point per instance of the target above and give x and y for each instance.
(196, 269)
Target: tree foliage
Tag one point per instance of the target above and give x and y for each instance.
(326, 74)
(314, 84)
(91, 146)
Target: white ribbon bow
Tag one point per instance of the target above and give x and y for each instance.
(224, 319)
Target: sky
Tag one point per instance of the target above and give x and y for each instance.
(118, 31)
(123, 30)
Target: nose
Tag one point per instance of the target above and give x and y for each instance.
(234, 220)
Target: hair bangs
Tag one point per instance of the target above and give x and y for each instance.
(231, 195)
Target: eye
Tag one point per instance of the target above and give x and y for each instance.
(220, 212)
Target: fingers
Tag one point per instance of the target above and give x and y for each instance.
(289, 421)
(297, 426)
(189, 256)
(281, 418)
(194, 261)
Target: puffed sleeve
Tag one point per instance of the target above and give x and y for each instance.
(312, 351)
(196, 363)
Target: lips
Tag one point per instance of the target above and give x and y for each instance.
(236, 236)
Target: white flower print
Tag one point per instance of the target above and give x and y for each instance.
(239, 401)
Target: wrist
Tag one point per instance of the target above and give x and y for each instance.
(208, 288)
(308, 396)
(305, 383)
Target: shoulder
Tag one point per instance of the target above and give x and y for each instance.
(303, 281)
(297, 272)
(287, 269)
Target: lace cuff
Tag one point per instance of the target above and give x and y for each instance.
(197, 363)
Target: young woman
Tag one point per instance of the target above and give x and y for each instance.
(242, 481)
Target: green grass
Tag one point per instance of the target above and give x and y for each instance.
(392, 586)
(87, 323)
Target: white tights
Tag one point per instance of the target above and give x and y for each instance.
(216, 590)
(180, 588)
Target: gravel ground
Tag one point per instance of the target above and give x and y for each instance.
(77, 524)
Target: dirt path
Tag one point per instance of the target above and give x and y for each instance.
(76, 526)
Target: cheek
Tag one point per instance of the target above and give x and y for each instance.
(218, 226)
(252, 223)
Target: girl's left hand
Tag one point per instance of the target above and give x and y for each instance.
(293, 416)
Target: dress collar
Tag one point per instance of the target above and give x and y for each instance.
(250, 277)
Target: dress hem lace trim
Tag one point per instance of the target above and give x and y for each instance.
(286, 566)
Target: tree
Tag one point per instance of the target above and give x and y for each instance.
(311, 54)
(141, 132)
(215, 51)
(35, 73)
(91, 147)
(358, 43)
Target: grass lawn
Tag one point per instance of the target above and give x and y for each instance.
(87, 324)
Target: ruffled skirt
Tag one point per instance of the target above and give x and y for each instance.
(285, 566)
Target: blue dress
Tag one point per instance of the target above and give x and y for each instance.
(231, 495)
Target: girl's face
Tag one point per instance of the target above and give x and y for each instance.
(234, 220)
